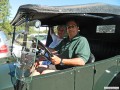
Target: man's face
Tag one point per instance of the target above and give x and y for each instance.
(72, 28)
(61, 31)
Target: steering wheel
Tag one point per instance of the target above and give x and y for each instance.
(42, 50)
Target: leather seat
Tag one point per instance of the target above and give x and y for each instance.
(91, 59)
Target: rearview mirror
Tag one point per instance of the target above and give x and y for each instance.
(37, 23)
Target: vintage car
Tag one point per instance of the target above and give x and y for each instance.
(99, 23)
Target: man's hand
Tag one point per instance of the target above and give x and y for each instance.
(55, 60)
(41, 58)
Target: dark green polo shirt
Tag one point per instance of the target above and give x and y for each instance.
(77, 47)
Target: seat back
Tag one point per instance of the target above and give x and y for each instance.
(91, 58)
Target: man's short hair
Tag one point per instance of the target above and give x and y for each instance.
(76, 21)
(61, 26)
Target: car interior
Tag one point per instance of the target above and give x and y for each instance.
(104, 42)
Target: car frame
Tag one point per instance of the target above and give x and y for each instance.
(103, 73)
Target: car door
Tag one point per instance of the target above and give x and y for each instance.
(60, 80)
(84, 77)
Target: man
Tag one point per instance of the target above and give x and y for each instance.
(73, 51)
(61, 29)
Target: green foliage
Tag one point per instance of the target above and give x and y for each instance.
(5, 22)
(7, 27)
(4, 16)
(45, 31)
(4, 10)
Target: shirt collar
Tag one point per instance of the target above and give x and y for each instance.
(74, 38)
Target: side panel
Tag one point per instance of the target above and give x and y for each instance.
(118, 69)
(60, 80)
(84, 77)
(105, 72)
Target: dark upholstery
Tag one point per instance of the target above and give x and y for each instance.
(103, 49)
(91, 59)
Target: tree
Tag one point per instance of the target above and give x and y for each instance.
(4, 16)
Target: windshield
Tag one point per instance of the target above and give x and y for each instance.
(41, 37)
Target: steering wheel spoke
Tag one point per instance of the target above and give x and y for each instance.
(42, 49)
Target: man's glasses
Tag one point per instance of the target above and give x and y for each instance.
(71, 26)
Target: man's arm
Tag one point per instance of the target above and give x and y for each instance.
(72, 62)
